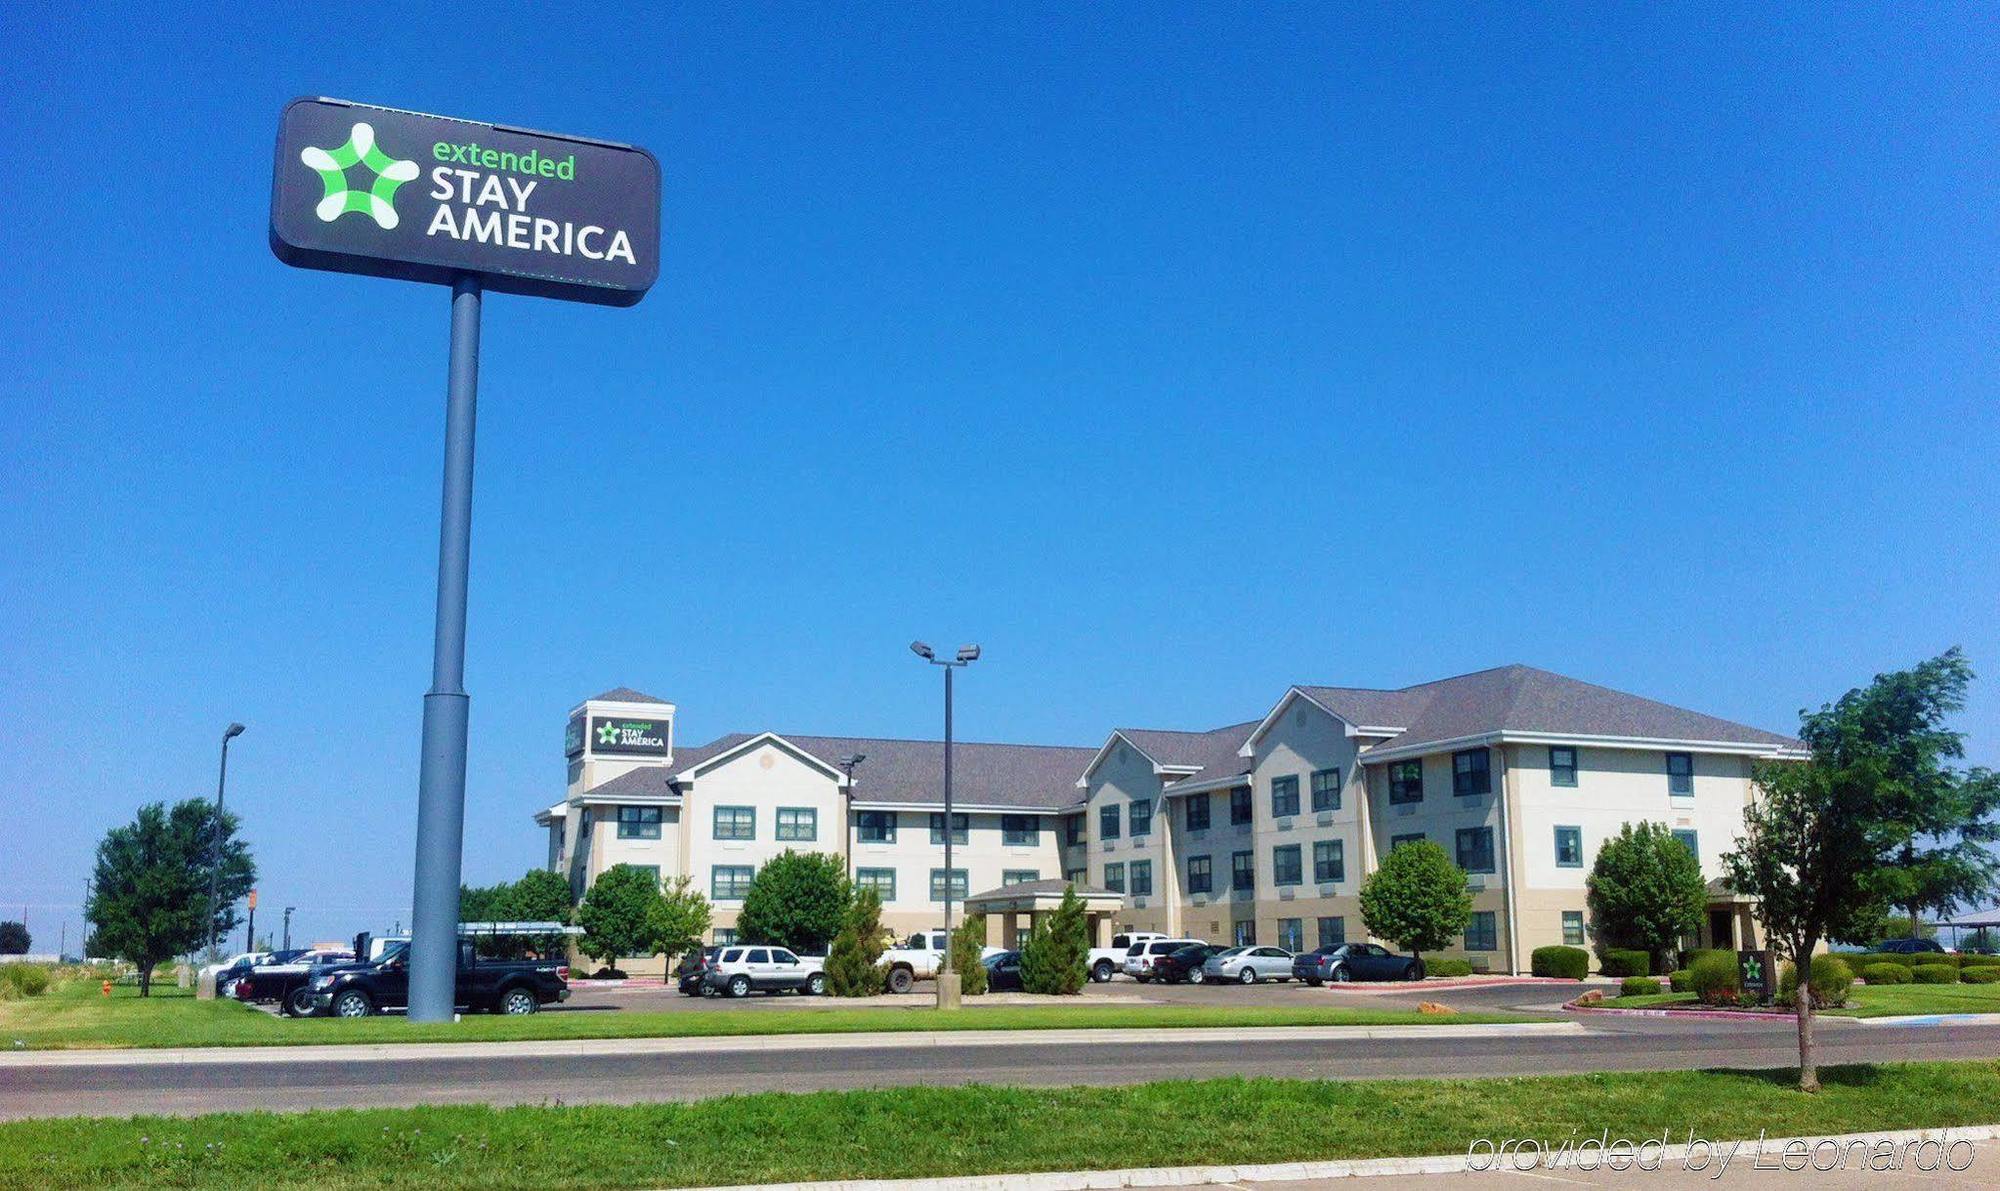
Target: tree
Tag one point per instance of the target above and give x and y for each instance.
(680, 919)
(1823, 843)
(967, 942)
(539, 896)
(1417, 898)
(1056, 957)
(14, 938)
(797, 900)
(618, 913)
(850, 963)
(1645, 892)
(149, 891)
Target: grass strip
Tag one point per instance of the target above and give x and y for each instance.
(918, 1132)
(1865, 1000)
(78, 1017)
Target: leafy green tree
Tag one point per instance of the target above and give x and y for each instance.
(797, 900)
(1416, 898)
(539, 896)
(1645, 891)
(1055, 958)
(1823, 845)
(14, 938)
(968, 940)
(149, 890)
(680, 918)
(850, 963)
(617, 915)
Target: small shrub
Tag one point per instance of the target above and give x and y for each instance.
(1687, 961)
(1981, 974)
(1831, 980)
(1901, 961)
(1715, 978)
(1935, 974)
(1639, 986)
(1978, 961)
(1886, 974)
(1627, 963)
(1681, 981)
(1444, 966)
(1563, 963)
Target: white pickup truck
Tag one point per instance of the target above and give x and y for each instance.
(1106, 962)
(920, 957)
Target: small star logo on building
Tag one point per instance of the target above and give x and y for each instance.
(378, 202)
(607, 734)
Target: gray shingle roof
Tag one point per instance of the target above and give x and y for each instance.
(624, 694)
(1212, 753)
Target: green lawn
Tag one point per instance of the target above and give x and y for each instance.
(1870, 1000)
(913, 1132)
(75, 1016)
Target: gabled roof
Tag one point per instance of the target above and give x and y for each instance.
(624, 694)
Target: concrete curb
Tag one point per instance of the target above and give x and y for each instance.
(717, 1044)
(1281, 1172)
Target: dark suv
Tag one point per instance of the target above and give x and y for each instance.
(1910, 947)
(1183, 964)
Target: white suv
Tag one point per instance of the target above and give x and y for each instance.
(1106, 961)
(1140, 956)
(738, 970)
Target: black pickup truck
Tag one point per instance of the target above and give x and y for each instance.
(484, 985)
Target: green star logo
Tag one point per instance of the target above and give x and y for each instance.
(378, 202)
(607, 734)
(1753, 970)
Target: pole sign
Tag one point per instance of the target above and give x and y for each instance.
(1758, 974)
(364, 189)
(622, 736)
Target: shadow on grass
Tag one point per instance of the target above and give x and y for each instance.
(1842, 1075)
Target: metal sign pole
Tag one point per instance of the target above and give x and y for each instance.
(441, 780)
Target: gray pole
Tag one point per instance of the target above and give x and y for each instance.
(215, 839)
(949, 827)
(441, 776)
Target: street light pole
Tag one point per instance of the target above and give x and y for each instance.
(967, 654)
(288, 929)
(848, 763)
(215, 837)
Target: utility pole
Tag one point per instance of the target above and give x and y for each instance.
(288, 929)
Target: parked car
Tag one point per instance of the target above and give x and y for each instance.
(240, 966)
(1355, 961)
(1183, 964)
(483, 985)
(739, 971)
(1003, 971)
(1140, 957)
(1105, 962)
(242, 960)
(1248, 965)
(285, 984)
(691, 973)
(919, 957)
(1910, 947)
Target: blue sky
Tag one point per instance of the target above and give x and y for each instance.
(1173, 357)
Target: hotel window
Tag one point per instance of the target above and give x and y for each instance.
(1326, 789)
(651, 870)
(1562, 766)
(1075, 876)
(1569, 847)
(1572, 928)
(1292, 934)
(1329, 861)
(1689, 840)
(1142, 817)
(876, 827)
(1680, 773)
(639, 822)
(1332, 931)
(1246, 933)
(1284, 797)
(881, 880)
(1201, 874)
(1114, 877)
(723, 936)
(1239, 806)
(1197, 812)
(1243, 870)
(1142, 878)
(1475, 849)
(1397, 841)
(948, 885)
(1020, 876)
(1020, 831)
(798, 823)
(1107, 821)
(1483, 932)
(1286, 868)
(1072, 829)
(1406, 781)
(729, 882)
(1471, 772)
(735, 822)
(961, 828)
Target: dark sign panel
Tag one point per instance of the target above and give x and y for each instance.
(617, 735)
(363, 189)
(573, 736)
(1760, 978)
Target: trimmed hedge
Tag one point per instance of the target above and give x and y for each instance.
(1886, 974)
(1974, 960)
(1715, 978)
(1639, 986)
(1624, 962)
(1935, 974)
(1688, 958)
(1981, 974)
(1446, 966)
(1564, 963)
(1831, 980)
(1681, 981)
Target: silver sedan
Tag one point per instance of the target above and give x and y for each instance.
(1248, 965)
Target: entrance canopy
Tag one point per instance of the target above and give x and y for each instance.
(1042, 897)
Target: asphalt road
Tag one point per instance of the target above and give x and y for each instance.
(1042, 1060)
